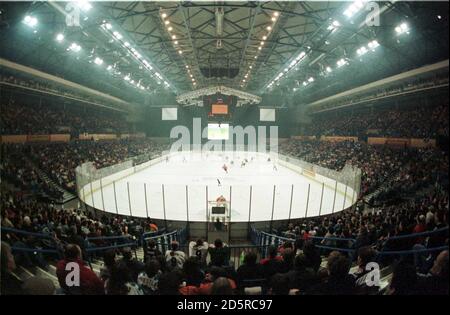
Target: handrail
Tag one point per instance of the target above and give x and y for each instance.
(108, 237)
(101, 248)
(272, 238)
(36, 250)
(13, 230)
(413, 235)
(412, 251)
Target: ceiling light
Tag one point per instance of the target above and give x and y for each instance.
(30, 21)
(167, 22)
(84, 5)
(60, 37)
(98, 61)
(169, 28)
(269, 28)
(164, 15)
(75, 47)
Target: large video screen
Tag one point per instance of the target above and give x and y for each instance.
(169, 113)
(267, 114)
(218, 131)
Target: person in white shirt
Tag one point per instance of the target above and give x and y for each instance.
(174, 257)
(199, 249)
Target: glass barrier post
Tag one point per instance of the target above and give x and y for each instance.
(354, 190)
(321, 199)
(84, 200)
(250, 207)
(129, 200)
(273, 208)
(92, 195)
(115, 196)
(145, 196)
(206, 213)
(334, 198)
(229, 220)
(101, 193)
(187, 208)
(307, 201)
(345, 197)
(290, 204)
(164, 206)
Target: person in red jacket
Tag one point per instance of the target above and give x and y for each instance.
(66, 270)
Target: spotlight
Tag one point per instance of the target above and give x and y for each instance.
(402, 28)
(84, 5)
(98, 61)
(75, 47)
(30, 21)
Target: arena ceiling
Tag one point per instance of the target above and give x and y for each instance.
(243, 45)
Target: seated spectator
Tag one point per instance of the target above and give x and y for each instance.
(88, 282)
(10, 283)
(279, 284)
(134, 266)
(192, 274)
(121, 282)
(199, 249)
(109, 259)
(38, 286)
(221, 286)
(151, 251)
(249, 270)
(302, 278)
(436, 281)
(219, 254)
(287, 262)
(366, 255)
(338, 281)
(170, 283)
(174, 257)
(272, 264)
(213, 274)
(312, 255)
(404, 279)
(149, 278)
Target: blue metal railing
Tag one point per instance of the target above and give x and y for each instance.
(264, 239)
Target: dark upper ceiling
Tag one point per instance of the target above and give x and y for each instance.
(224, 55)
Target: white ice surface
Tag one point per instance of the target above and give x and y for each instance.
(199, 173)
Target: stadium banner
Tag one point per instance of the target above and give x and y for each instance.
(338, 139)
(97, 136)
(14, 139)
(423, 143)
(132, 135)
(303, 137)
(60, 137)
(394, 142)
(34, 138)
(38, 138)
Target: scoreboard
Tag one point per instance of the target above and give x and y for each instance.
(219, 109)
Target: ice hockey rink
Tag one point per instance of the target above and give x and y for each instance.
(180, 187)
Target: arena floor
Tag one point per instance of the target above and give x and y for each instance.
(185, 178)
